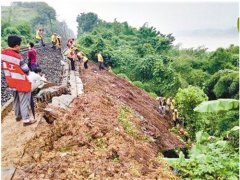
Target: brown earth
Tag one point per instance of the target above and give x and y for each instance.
(113, 131)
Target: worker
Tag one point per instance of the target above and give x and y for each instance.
(73, 42)
(32, 57)
(163, 105)
(36, 79)
(54, 40)
(59, 43)
(175, 116)
(82, 57)
(100, 61)
(71, 56)
(176, 119)
(16, 71)
(172, 105)
(184, 133)
(70, 43)
(168, 103)
(85, 61)
(110, 69)
(39, 36)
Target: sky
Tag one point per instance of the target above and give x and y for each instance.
(193, 23)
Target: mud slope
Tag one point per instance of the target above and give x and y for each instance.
(113, 131)
(108, 85)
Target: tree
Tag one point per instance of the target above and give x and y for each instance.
(4, 24)
(47, 12)
(197, 77)
(11, 30)
(24, 29)
(158, 40)
(86, 22)
(144, 68)
(167, 81)
(220, 59)
(187, 99)
(39, 21)
(223, 84)
(63, 30)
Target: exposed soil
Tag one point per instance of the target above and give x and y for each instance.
(113, 131)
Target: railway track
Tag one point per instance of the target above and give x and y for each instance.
(36, 46)
(14, 150)
(48, 60)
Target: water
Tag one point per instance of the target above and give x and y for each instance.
(212, 43)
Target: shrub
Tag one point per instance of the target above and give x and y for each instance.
(187, 99)
(208, 160)
(138, 84)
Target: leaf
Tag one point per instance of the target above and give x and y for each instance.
(201, 136)
(217, 105)
(235, 128)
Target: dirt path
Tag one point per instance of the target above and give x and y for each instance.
(14, 138)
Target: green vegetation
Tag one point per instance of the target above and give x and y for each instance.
(145, 55)
(101, 143)
(147, 58)
(187, 99)
(86, 22)
(208, 160)
(24, 18)
(128, 126)
(124, 118)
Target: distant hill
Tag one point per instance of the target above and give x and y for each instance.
(24, 18)
(17, 14)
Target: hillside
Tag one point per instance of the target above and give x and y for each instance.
(17, 14)
(112, 131)
(24, 18)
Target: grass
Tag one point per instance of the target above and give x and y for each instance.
(124, 116)
(152, 94)
(101, 143)
(66, 148)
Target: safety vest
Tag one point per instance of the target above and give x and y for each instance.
(37, 35)
(85, 59)
(54, 39)
(71, 53)
(59, 43)
(172, 103)
(100, 58)
(14, 75)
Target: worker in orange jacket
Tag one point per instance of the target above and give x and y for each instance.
(16, 71)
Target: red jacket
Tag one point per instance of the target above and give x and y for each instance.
(14, 75)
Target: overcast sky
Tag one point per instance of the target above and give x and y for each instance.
(193, 23)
